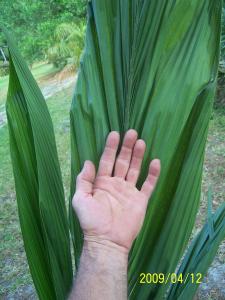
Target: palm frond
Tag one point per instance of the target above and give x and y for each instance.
(151, 66)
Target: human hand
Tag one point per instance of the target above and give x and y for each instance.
(109, 206)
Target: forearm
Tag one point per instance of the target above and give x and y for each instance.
(102, 272)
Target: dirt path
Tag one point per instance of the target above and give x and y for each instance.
(213, 285)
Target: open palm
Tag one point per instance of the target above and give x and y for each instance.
(108, 205)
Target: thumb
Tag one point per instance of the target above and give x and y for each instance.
(86, 177)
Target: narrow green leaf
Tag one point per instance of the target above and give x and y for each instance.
(39, 188)
(199, 256)
(209, 213)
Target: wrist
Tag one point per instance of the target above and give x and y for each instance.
(98, 244)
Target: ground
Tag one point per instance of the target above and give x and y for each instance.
(15, 280)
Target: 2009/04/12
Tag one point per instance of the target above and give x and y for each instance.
(170, 277)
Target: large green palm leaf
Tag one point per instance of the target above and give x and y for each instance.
(152, 66)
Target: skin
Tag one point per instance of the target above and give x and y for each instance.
(111, 212)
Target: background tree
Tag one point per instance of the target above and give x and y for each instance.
(69, 43)
(33, 22)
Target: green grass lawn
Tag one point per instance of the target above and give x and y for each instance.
(15, 277)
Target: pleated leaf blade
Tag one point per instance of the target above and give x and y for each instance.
(39, 188)
(151, 66)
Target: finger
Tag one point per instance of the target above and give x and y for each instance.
(124, 157)
(107, 160)
(153, 175)
(86, 177)
(136, 161)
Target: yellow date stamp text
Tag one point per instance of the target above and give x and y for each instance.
(155, 278)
